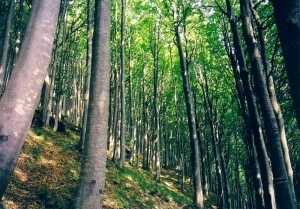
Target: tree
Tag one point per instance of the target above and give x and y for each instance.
(122, 88)
(6, 46)
(190, 110)
(251, 118)
(23, 90)
(283, 192)
(88, 75)
(287, 19)
(92, 176)
(155, 95)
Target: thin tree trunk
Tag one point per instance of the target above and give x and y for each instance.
(133, 126)
(122, 87)
(88, 74)
(156, 105)
(6, 46)
(198, 195)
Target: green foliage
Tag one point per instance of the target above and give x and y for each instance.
(135, 188)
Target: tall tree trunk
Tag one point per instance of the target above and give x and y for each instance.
(88, 74)
(133, 126)
(202, 153)
(287, 19)
(273, 98)
(268, 191)
(156, 105)
(145, 124)
(23, 90)
(190, 111)
(283, 192)
(92, 176)
(122, 87)
(6, 46)
(49, 84)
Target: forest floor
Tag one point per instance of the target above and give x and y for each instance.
(48, 170)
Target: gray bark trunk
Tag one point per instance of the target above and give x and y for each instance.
(190, 111)
(92, 176)
(287, 19)
(274, 101)
(23, 91)
(88, 75)
(122, 88)
(283, 192)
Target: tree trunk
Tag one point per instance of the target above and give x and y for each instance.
(268, 191)
(133, 126)
(273, 98)
(287, 19)
(22, 92)
(195, 158)
(92, 176)
(122, 87)
(156, 105)
(6, 46)
(283, 192)
(88, 74)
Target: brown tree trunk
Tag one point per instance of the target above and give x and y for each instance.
(23, 91)
(156, 104)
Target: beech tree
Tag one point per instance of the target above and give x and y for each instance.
(190, 110)
(287, 19)
(212, 130)
(92, 176)
(283, 191)
(22, 93)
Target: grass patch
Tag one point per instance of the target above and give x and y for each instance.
(135, 188)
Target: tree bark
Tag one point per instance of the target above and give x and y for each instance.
(23, 90)
(6, 46)
(92, 176)
(283, 194)
(122, 88)
(88, 74)
(156, 105)
(274, 101)
(254, 119)
(287, 18)
(190, 111)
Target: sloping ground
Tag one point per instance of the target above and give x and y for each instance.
(135, 188)
(48, 169)
(47, 172)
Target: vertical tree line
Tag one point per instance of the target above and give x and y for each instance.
(206, 89)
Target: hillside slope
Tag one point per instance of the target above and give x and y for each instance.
(48, 169)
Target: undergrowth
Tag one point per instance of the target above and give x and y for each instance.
(47, 173)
